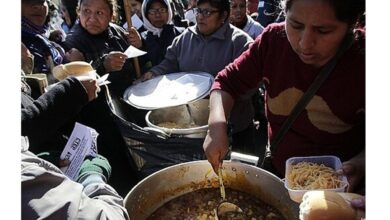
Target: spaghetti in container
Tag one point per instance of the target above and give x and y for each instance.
(313, 173)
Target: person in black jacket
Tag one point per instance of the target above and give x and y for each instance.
(46, 121)
(103, 42)
(35, 27)
(45, 190)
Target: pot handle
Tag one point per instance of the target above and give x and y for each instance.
(244, 158)
(157, 132)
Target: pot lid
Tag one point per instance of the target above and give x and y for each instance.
(169, 90)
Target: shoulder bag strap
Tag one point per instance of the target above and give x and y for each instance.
(321, 77)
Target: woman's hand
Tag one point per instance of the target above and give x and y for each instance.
(27, 60)
(144, 77)
(90, 85)
(63, 163)
(114, 61)
(216, 144)
(74, 55)
(359, 203)
(134, 38)
(355, 170)
(57, 36)
(54, 158)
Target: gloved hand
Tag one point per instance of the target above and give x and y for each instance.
(91, 165)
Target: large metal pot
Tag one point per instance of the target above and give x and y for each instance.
(171, 182)
(183, 115)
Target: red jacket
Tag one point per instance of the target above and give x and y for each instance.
(333, 123)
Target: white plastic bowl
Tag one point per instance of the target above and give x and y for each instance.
(328, 160)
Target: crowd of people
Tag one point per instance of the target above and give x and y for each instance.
(228, 39)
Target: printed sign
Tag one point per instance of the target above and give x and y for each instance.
(81, 143)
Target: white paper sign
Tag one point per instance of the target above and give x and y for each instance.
(103, 80)
(133, 52)
(261, 4)
(135, 21)
(81, 143)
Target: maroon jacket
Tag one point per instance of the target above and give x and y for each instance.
(333, 123)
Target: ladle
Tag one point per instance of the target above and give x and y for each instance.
(226, 209)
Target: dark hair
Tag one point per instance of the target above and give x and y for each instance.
(149, 4)
(348, 11)
(221, 5)
(112, 4)
(71, 6)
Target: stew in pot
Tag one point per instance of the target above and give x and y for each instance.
(201, 204)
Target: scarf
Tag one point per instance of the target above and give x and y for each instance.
(33, 30)
(29, 27)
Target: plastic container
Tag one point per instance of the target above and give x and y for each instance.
(329, 161)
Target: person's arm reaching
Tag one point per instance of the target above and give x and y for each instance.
(104, 200)
(355, 170)
(216, 143)
(57, 106)
(48, 193)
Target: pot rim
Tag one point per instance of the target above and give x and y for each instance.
(193, 130)
(186, 177)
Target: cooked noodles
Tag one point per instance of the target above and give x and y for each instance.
(310, 176)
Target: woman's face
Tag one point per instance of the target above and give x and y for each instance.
(238, 12)
(313, 31)
(136, 8)
(65, 15)
(208, 20)
(35, 11)
(158, 14)
(95, 15)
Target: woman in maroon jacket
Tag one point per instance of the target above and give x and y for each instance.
(287, 57)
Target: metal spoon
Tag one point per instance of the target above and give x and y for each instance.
(226, 208)
(221, 186)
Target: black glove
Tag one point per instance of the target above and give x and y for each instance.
(98, 164)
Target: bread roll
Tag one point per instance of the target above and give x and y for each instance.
(328, 205)
(75, 68)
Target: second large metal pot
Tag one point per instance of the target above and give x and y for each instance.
(169, 183)
(183, 115)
